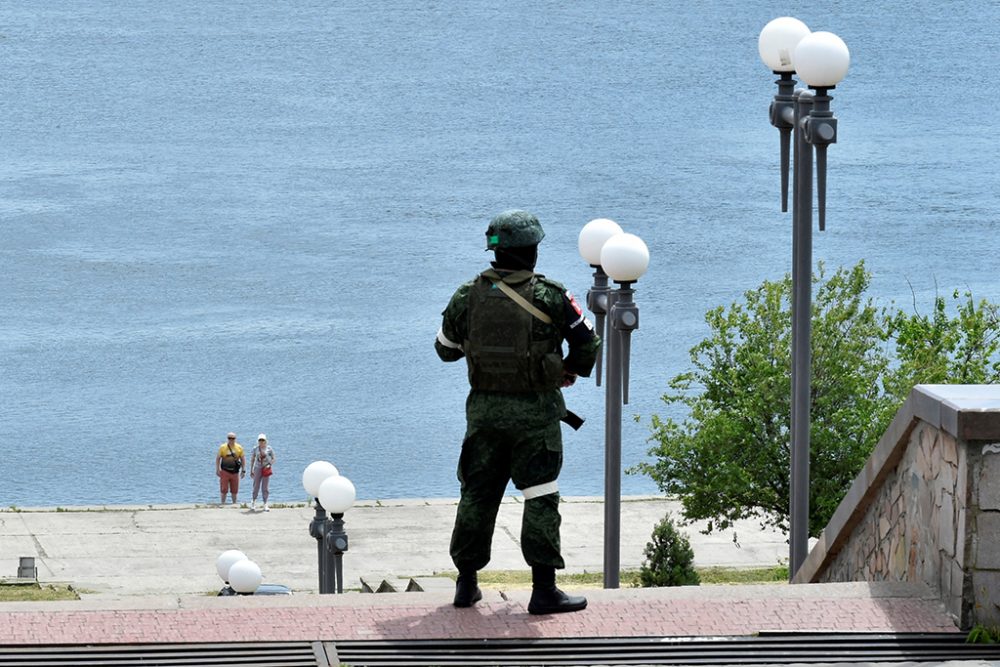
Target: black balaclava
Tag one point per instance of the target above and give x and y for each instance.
(516, 259)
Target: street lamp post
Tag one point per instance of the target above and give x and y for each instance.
(624, 258)
(316, 529)
(821, 60)
(592, 238)
(312, 477)
(337, 495)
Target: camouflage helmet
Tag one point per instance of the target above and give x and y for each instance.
(513, 229)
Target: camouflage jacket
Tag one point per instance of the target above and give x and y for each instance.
(569, 326)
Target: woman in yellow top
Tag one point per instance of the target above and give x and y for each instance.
(230, 466)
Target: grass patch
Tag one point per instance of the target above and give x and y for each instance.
(522, 579)
(630, 578)
(984, 634)
(36, 592)
(732, 575)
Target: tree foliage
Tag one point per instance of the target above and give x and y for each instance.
(728, 458)
(943, 349)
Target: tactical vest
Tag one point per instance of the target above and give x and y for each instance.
(500, 352)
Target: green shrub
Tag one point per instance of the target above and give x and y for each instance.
(669, 558)
(982, 634)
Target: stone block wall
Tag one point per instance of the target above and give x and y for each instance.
(926, 508)
(984, 539)
(910, 531)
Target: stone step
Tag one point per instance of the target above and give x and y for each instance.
(429, 584)
(383, 583)
(387, 583)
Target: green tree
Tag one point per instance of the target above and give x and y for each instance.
(728, 457)
(937, 349)
(669, 558)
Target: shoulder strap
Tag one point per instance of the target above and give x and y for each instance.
(519, 300)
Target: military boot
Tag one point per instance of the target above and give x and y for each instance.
(546, 598)
(467, 591)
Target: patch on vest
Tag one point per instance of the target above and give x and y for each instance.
(572, 302)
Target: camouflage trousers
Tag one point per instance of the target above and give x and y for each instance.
(490, 458)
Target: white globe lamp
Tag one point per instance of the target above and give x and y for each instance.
(245, 576)
(336, 494)
(226, 560)
(822, 59)
(314, 475)
(625, 258)
(777, 43)
(593, 237)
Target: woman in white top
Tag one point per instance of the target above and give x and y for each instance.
(261, 460)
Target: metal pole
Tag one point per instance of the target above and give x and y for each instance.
(796, 203)
(338, 560)
(612, 454)
(337, 545)
(597, 302)
(625, 321)
(317, 529)
(801, 316)
(781, 112)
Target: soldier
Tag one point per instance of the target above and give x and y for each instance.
(509, 323)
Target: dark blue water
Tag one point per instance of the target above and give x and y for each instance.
(248, 216)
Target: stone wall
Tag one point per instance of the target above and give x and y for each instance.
(984, 539)
(926, 508)
(910, 530)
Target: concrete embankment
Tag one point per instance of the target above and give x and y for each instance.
(171, 549)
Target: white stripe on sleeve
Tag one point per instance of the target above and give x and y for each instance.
(441, 338)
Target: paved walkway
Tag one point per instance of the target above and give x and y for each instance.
(687, 611)
(148, 575)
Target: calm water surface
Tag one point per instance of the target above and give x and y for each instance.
(248, 216)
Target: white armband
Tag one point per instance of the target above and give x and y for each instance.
(441, 338)
(539, 490)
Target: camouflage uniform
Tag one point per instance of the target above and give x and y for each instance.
(515, 435)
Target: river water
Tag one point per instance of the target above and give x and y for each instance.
(248, 216)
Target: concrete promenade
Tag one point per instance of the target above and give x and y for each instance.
(172, 549)
(147, 575)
